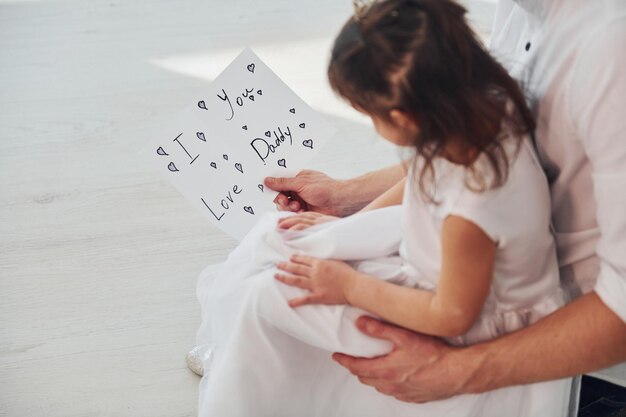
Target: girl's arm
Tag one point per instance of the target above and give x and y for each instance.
(468, 256)
(391, 197)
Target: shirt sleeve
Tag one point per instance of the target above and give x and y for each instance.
(517, 210)
(597, 96)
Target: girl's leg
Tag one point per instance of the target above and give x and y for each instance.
(272, 361)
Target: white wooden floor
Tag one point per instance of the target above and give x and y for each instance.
(98, 255)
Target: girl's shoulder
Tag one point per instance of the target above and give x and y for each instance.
(523, 198)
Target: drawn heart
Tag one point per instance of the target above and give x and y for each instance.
(308, 143)
(251, 68)
(251, 97)
(238, 167)
(202, 105)
(248, 209)
(259, 92)
(160, 151)
(200, 136)
(172, 167)
(302, 125)
(214, 165)
(268, 134)
(225, 157)
(292, 111)
(244, 127)
(282, 163)
(261, 187)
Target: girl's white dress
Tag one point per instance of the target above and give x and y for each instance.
(269, 360)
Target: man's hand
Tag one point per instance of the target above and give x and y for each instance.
(419, 369)
(315, 191)
(308, 191)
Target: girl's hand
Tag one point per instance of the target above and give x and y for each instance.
(328, 281)
(304, 220)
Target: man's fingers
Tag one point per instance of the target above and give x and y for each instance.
(295, 281)
(380, 330)
(287, 203)
(283, 184)
(380, 385)
(361, 367)
(282, 201)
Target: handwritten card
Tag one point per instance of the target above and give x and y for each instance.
(248, 125)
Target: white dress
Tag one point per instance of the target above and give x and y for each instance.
(269, 360)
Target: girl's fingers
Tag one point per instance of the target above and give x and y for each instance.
(289, 222)
(301, 226)
(302, 259)
(307, 215)
(297, 302)
(295, 281)
(294, 268)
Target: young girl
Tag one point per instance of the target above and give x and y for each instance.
(467, 256)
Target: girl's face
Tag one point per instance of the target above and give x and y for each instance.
(398, 129)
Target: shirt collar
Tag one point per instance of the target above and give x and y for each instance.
(539, 9)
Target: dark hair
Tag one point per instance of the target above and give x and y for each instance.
(421, 57)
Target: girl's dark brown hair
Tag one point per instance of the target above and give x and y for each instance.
(421, 57)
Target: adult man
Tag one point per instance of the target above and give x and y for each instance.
(571, 57)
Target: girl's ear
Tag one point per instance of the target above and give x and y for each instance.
(403, 120)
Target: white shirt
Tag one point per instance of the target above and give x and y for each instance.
(570, 55)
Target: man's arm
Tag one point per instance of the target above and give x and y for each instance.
(583, 336)
(315, 191)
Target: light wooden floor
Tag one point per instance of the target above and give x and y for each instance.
(98, 255)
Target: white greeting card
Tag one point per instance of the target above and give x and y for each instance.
(248, 125)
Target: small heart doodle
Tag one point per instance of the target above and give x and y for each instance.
(292, 111)
(200, 136)
(202, 105)
(214, 165)
(248, 209)
(259, 92)
(251, 68)
(251, 97)
(282, 163)
(268, 134)
(160, 151)
(261, 187)
(308, 143)
(225, 157)
(172, 167)
(244, 127)
(302, 125)
(238, 167)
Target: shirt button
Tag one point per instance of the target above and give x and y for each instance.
(527, 47)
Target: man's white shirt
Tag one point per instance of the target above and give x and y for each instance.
(570, 56)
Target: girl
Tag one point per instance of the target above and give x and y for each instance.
(467, 256)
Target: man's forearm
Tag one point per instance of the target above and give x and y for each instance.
(366, 188)
(582, 337)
